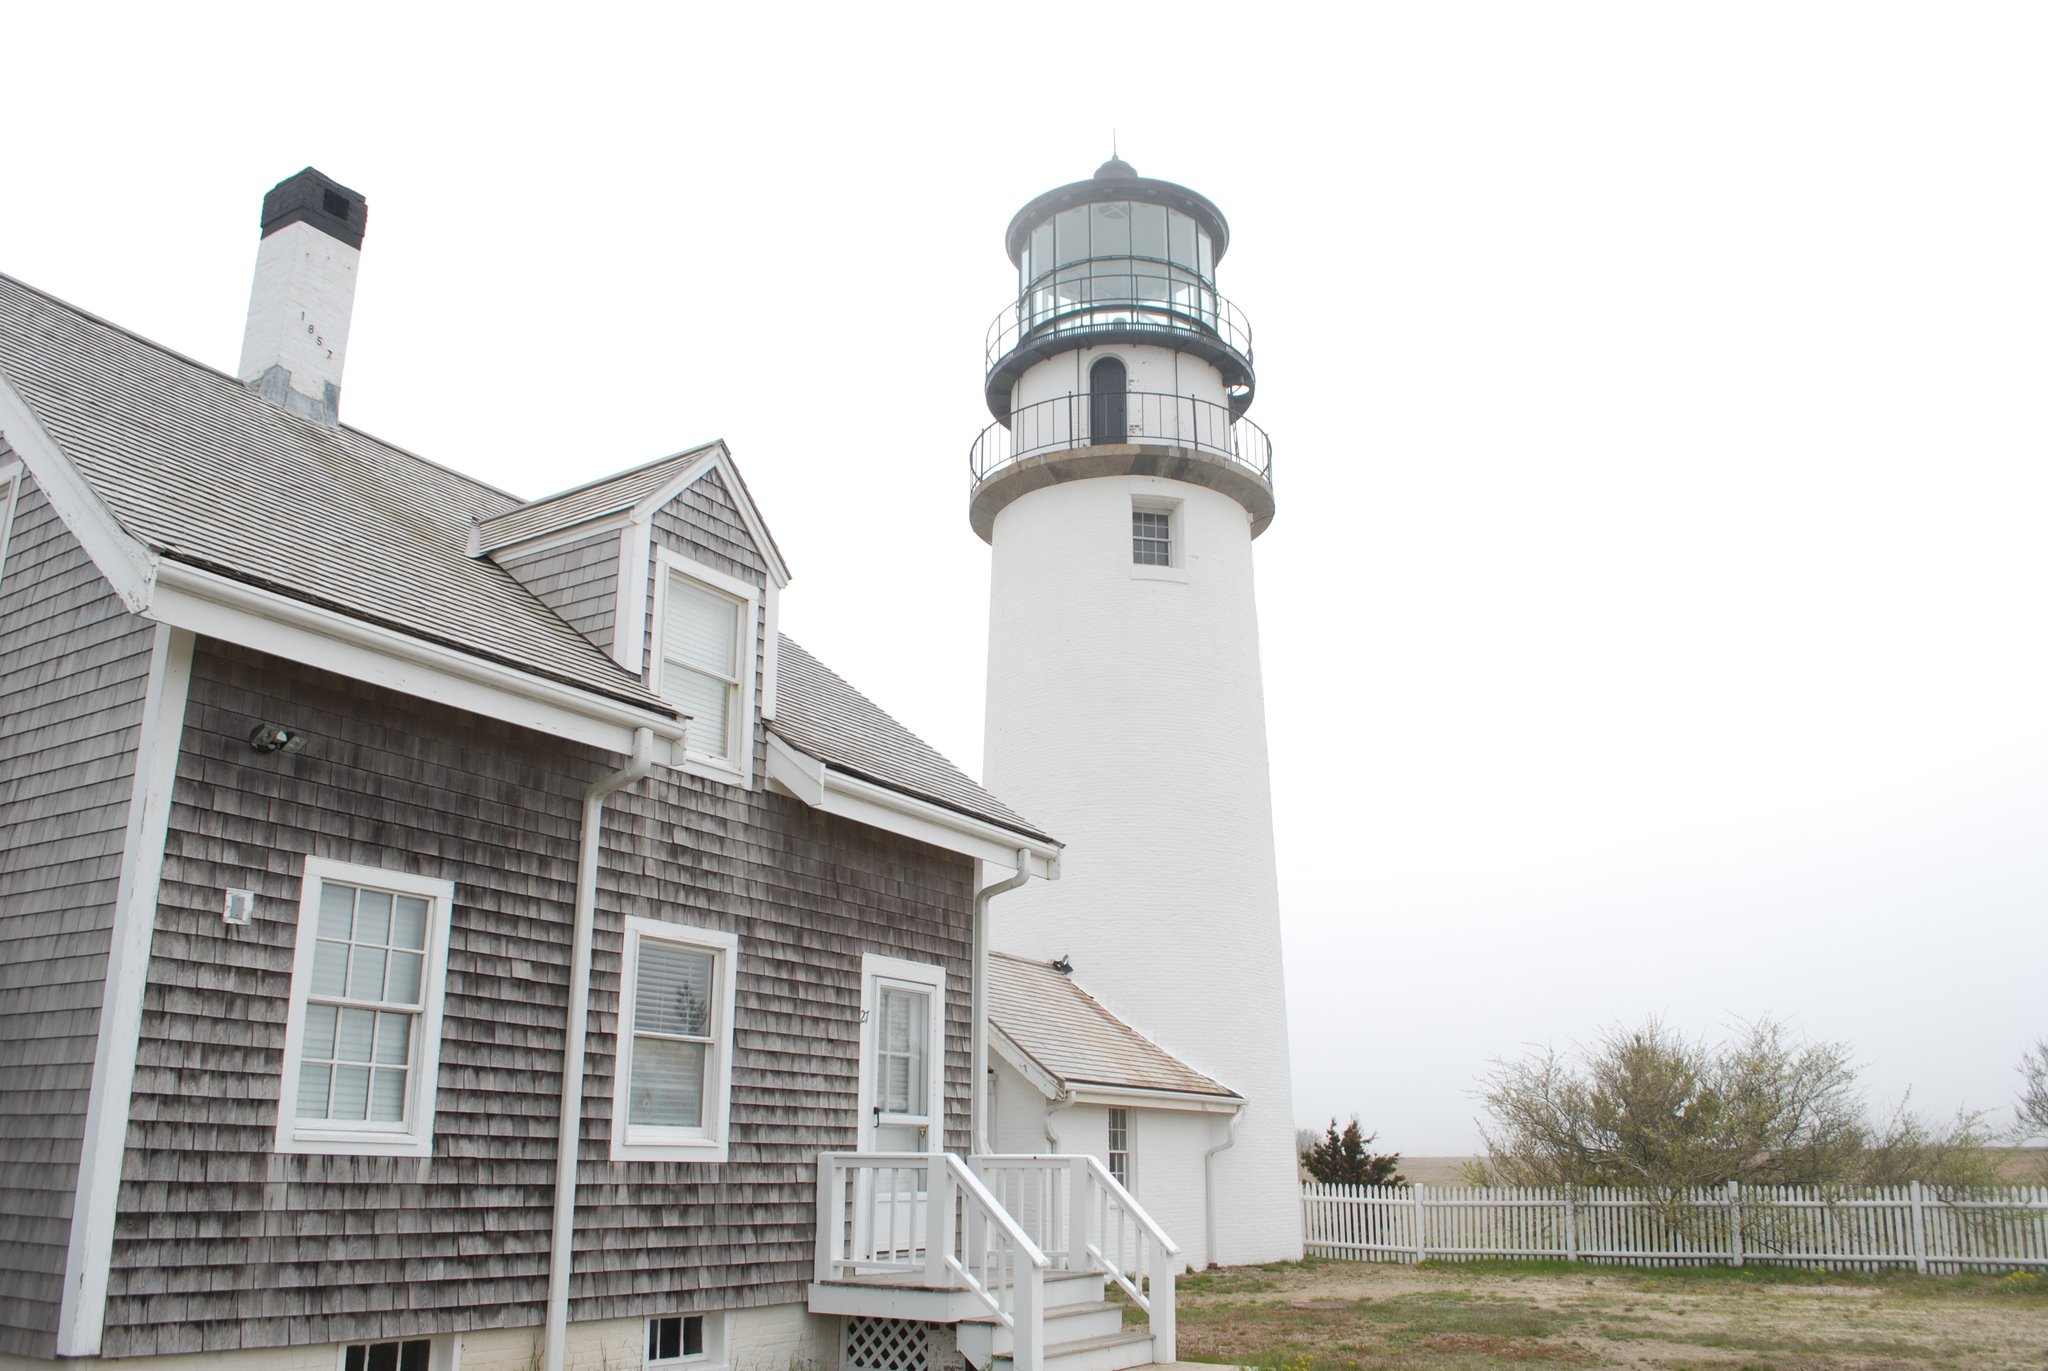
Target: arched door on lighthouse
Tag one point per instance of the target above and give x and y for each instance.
(1109, 405)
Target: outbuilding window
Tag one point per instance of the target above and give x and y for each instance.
(675, 1043)
(1120, 1146)
(363, 1029)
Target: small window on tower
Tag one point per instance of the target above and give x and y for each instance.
(1151, 537)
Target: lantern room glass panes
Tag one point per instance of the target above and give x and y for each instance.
(1117, 261)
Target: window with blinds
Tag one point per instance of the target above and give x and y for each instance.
(675, 1042)
(671, 1034)
(700, 662)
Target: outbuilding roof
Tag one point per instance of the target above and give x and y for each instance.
(1069, 1036)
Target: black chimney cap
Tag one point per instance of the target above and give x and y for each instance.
(312, 198)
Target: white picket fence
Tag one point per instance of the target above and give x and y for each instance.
(1860, 1230)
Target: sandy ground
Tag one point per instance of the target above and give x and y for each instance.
(1614, 1320)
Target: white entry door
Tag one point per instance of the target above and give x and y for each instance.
(902, 1096)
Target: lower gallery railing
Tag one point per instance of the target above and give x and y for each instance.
(994, 1227)
(1909, 1225)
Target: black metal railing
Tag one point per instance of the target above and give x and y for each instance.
(1138, 416)
(1118, 300)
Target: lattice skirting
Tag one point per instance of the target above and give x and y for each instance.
(887, 1345)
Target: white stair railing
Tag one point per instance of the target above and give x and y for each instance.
(929, 1218)
(1084, 1220)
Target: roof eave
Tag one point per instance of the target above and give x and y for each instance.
(833, 790)
(217, 606)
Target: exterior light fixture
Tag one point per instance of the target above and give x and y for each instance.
(276, 738)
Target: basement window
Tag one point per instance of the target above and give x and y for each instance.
(675, 1338)
(412, 1354)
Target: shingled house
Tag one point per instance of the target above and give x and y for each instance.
(441, 929)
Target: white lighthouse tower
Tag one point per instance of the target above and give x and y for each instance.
(1121, 487)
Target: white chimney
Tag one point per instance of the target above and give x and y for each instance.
(305, 290)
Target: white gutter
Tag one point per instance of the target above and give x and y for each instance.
(978, 1071)
(572, 1060)
(1209, 1186)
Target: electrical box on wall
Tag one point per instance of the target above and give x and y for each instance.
(240, 906)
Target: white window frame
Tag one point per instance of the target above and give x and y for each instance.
(437, 1355)
(875, 968)
(10, 495)
(1176, 568)
(737, 766)
(643, 1142)
(716, 1352)
(1111, 1151)
(415, 1136)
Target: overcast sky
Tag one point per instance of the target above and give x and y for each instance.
(1653, 622)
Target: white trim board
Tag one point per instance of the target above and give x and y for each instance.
(82, 1313)
(233, 612)
(835, 792)
(130, 567)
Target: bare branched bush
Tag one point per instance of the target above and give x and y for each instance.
(1647, 1107)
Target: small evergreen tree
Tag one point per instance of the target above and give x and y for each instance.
(1342, 1159)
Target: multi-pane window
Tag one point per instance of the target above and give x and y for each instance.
(363, 1031)
(700, 662)
(1120, 1146)
(364, 1007)
(1151, 537)
(675, 1041)
(413, 1354)
(675, 1337)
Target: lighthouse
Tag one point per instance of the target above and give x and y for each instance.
(1120, 488)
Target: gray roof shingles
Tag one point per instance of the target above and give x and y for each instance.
(593, 500)
(208, 473)
(1067, 1032)
(200, 468)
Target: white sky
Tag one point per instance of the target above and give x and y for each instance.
(1653, 622)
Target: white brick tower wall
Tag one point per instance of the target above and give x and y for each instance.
(1126, 713)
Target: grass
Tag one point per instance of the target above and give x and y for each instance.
(1340, 1316)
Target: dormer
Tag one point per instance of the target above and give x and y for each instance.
(670, 569)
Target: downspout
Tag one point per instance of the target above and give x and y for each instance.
(572, 1057)
(978, 1072)
(1209, 1185)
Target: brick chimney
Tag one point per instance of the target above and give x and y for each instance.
(305, 290)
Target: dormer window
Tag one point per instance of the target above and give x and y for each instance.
(705, 622)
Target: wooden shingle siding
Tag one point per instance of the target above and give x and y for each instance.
(74, 667)
(705, 523)
(223, 1243)
(579, 581)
